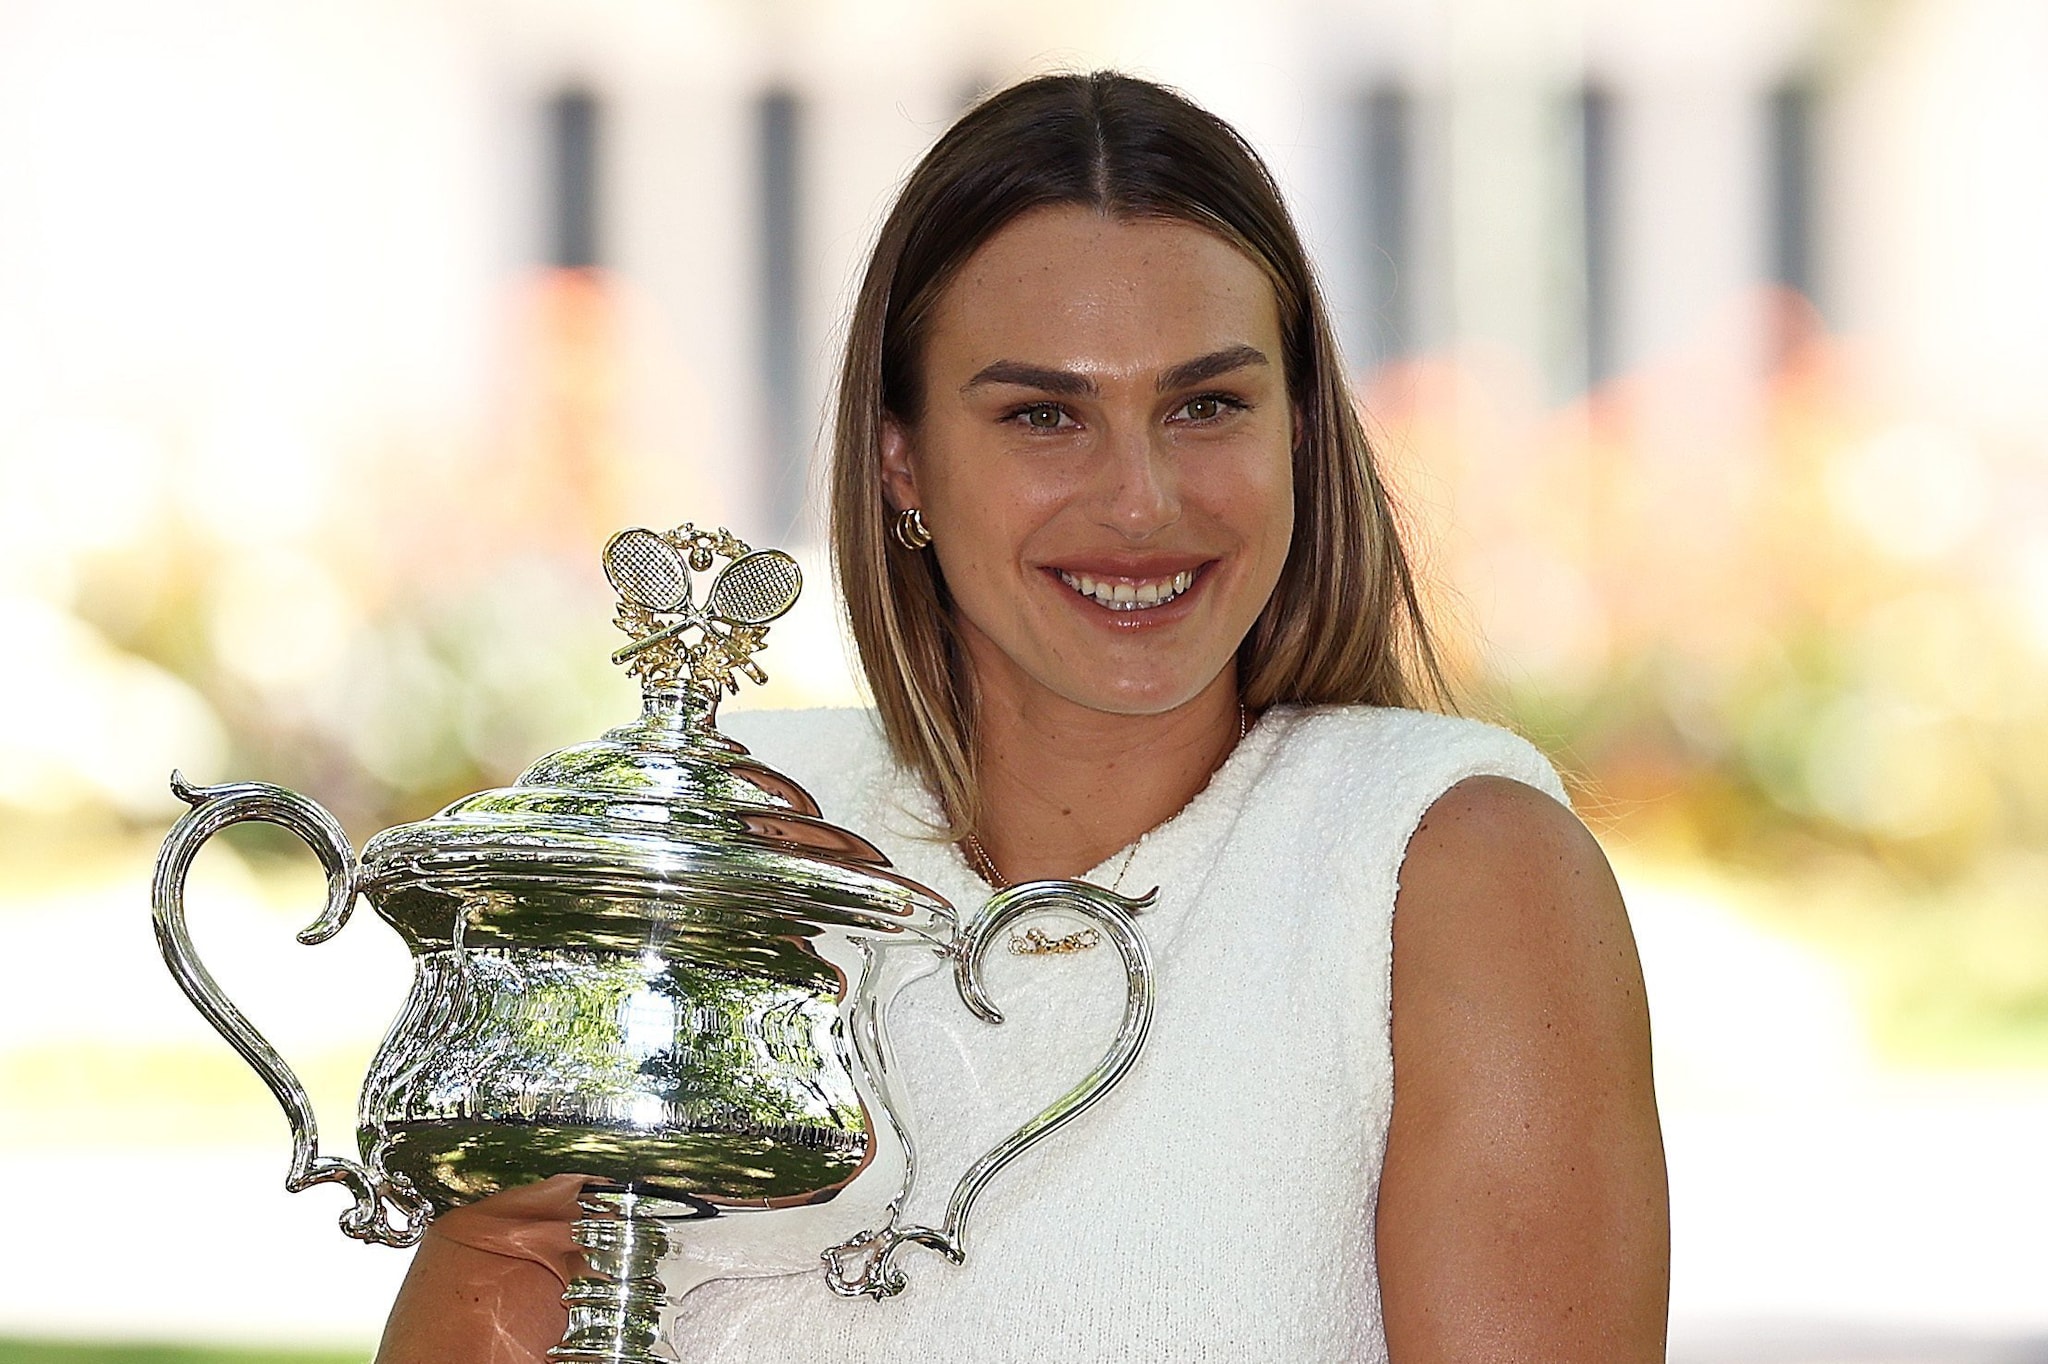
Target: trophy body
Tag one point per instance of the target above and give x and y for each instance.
(715, 1098)
(651, 963)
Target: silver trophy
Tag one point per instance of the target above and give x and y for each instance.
(652, 964)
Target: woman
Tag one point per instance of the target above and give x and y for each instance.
(1131, 603)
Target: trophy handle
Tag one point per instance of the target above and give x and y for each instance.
(387, 1211)
(865, 1264)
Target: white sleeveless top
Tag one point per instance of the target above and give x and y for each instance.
(1218, 1204)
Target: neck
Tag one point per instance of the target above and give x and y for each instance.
(1063, 786)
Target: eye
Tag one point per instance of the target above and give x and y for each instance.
(1039, 416)
(1208, 407)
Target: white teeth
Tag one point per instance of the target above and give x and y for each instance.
(1127, 596)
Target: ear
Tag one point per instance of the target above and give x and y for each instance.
(899, 482)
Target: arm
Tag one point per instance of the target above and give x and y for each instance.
(1523, 1212)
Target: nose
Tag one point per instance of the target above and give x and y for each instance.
(1138, 484)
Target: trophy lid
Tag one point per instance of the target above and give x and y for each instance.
(664, 824)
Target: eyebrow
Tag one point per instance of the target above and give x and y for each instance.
(1064, 382)
(1203, 368)
(1069, 384)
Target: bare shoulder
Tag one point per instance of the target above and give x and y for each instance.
(1522, 1210)
(1499, 877)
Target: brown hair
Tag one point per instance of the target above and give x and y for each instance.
(1344, 624)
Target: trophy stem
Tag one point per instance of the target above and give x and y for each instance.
(615, 1310)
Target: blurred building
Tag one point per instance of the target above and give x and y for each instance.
(1701, 340)
(334, 336)
(317, 225)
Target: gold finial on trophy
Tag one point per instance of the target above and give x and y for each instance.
(675, 639)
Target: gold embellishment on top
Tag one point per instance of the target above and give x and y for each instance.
(1035, 942)
(674, 638)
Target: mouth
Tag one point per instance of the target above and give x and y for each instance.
(1128, 594)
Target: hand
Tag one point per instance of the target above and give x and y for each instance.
(530, 1222)
(485, 1285)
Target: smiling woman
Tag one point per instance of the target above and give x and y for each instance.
(1103, 263)
(1146, 617)
(1103, 457)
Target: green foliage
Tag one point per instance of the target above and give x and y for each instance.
(51, 1352)
(1853, 784)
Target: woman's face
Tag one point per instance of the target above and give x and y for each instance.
(1103, 457)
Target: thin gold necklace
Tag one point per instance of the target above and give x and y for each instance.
(984, 866)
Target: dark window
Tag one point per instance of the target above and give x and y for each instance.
(779, 129)
(572, 181)
(972, 90)
(1388, 214)
(1597, 221)
(1791, 188)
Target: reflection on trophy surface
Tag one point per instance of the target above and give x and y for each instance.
(652, 963)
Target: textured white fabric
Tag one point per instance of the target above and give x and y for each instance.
(1218, 1204)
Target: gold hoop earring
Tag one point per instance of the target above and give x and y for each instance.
(910, 531)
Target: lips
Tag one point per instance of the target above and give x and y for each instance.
(1121, 593)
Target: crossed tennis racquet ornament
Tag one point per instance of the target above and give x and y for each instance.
(673, 637)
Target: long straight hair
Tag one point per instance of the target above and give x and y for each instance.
(1344, 624)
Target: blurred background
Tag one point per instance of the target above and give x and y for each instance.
(1704, 338)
